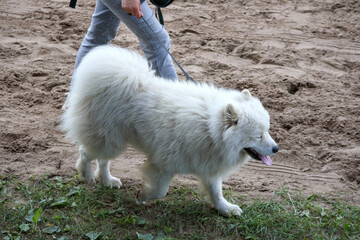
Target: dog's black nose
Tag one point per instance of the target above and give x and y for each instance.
(275, 149)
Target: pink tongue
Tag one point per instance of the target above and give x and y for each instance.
(266, 159)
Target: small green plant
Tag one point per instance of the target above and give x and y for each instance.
(34, 217)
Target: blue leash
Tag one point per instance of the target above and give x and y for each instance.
(186, 75)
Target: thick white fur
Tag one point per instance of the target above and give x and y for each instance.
(183, 128)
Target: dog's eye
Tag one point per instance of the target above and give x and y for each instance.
(259, 137)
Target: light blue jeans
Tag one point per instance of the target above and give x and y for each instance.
(104, 27)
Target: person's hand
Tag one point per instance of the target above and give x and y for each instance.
(133, 7)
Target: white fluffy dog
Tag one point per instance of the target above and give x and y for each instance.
(182, 127)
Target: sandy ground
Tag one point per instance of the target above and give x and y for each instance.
(301, 58)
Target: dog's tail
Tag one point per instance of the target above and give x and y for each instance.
(107, 77)
(110, 66)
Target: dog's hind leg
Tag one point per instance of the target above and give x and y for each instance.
(213, 187)
(83, 166)
(102, 174)
(156, 182)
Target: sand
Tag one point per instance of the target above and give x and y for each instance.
(301, 58)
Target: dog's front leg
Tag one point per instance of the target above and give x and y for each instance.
(213, 187)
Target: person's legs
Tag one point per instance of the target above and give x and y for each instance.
(104, 26)
(103, 29)
(157, 56)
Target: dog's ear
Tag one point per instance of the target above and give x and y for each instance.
(231, 115)
(246, 93)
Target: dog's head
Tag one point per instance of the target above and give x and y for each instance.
(247, 126)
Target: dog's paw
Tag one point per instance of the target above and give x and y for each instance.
(142, 198)
(90, 180)
(114, 182)
(107, 180)
(140, 202)
(229, 209)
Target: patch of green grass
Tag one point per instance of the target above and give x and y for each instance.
(64, 209)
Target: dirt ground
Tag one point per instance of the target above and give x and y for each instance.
(301, 58)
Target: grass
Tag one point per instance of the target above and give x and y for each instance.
(65, 209)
